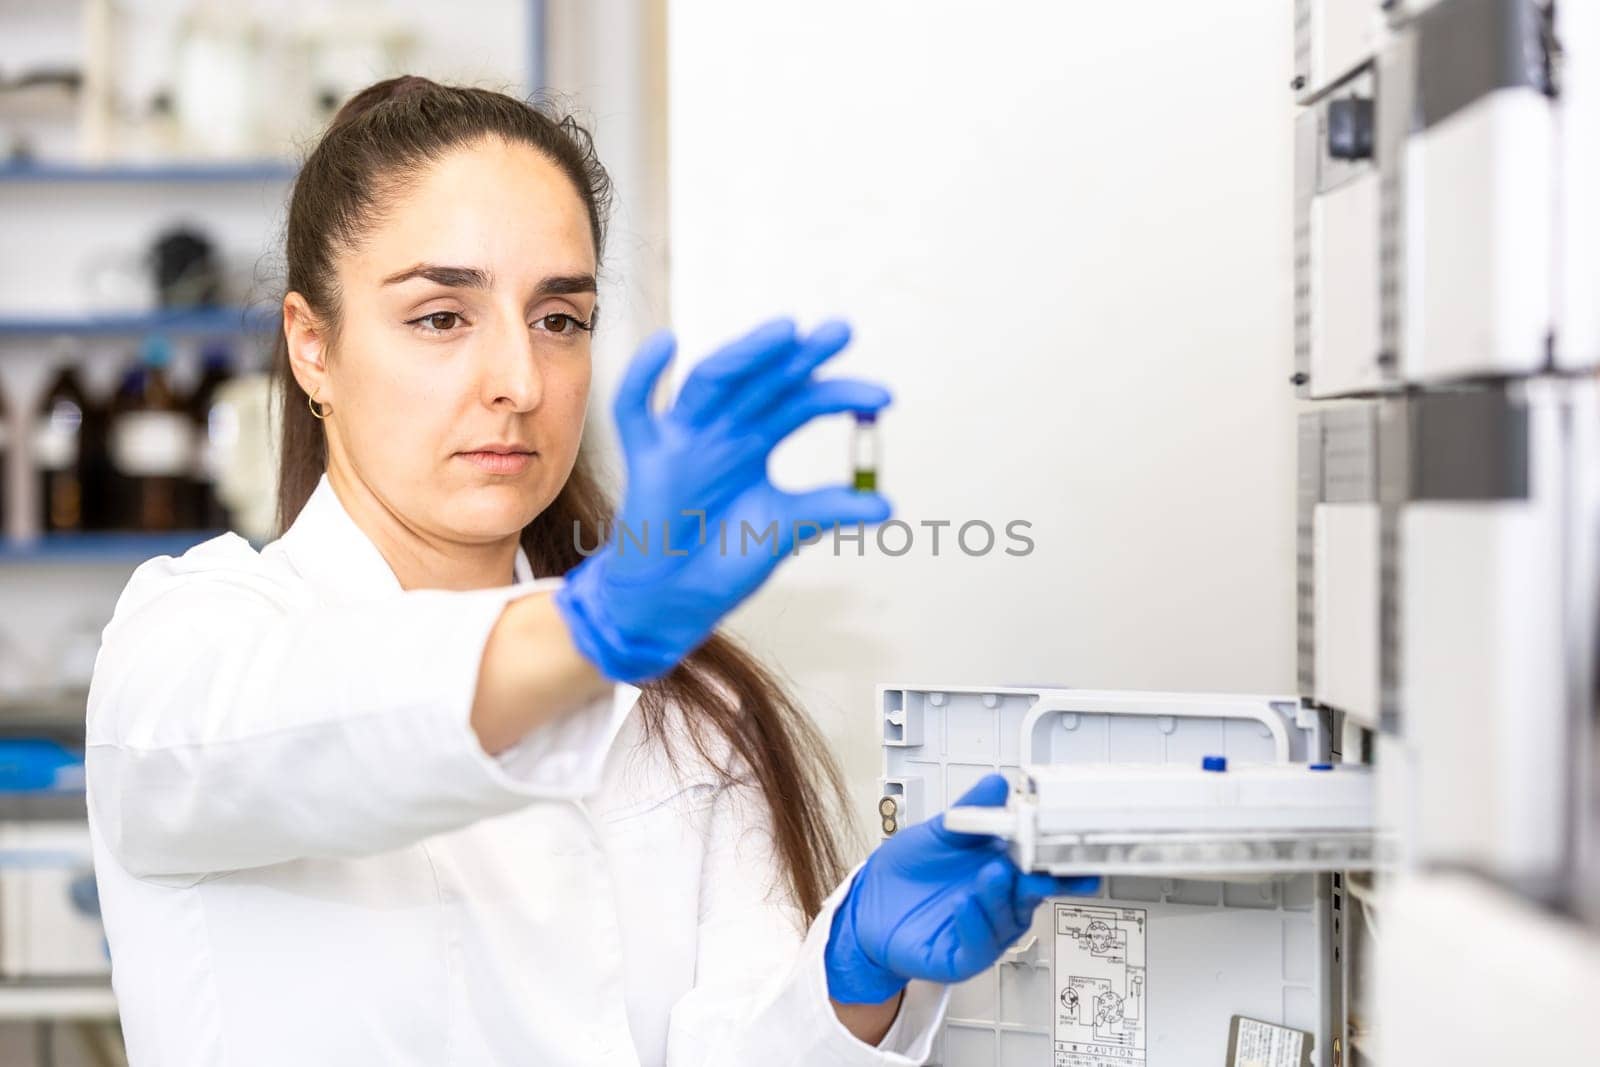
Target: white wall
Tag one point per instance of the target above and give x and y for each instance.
(1063, 233)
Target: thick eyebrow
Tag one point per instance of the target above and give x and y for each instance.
(473, 278)
(452, 277)
(566, 285)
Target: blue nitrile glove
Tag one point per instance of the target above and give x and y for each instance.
(934, 904)
(678, 558)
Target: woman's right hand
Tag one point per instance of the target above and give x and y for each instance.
(934, 904)
(701, 525)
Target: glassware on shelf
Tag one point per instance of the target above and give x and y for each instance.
(151, 444)
(216, 433)
(65, 438)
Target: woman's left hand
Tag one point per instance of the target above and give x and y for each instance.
(934, 904)
(681, 555)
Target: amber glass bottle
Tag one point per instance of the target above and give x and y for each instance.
(151, 444)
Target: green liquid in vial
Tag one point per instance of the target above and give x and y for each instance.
(866, 481)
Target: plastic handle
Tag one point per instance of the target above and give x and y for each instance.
(997, 822)
(1172, 705)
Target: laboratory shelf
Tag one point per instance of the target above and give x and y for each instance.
(243, 171)
(222, 320)
(110, 547)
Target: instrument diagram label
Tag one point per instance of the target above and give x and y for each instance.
(1099, 981)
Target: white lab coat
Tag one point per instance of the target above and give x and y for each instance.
(305, 857)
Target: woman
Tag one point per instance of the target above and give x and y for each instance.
(456, 771)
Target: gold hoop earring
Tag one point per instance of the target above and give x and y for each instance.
(311, 402)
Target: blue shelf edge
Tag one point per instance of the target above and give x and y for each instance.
(108, 547)
(112, 173)
(233, 320)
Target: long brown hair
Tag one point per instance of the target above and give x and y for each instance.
(377, 143)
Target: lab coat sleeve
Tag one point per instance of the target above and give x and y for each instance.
(760, 994)
(232, 724)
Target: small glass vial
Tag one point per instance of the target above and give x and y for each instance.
(864, 451)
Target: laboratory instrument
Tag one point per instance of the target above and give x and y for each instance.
(1399, 863)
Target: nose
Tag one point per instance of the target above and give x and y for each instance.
(512, 377)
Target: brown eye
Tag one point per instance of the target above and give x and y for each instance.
(559, 324)
(442, 321)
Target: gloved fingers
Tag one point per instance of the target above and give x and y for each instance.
(771, 389)
(1036, 884)
(1032, 889)
(746, 445)
(995, 893)
(972, 943)
(724, 467)
(715, 379)
(990, 791)
(635, 423)
(809, 515)
(828, 396)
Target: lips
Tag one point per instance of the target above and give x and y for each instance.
(499, 459)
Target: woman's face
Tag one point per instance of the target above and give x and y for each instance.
(460, 374)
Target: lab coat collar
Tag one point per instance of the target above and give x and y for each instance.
(329, 550)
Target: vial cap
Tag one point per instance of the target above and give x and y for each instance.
(1322, 766)
(866, 416)
(1214, 763)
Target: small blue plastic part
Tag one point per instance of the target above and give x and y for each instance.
(1214, 763)
(28, 764)
(1322, 766)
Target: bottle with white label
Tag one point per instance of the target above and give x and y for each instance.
(58, 454)
(151, 444)
(216, 434)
